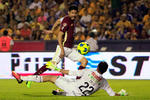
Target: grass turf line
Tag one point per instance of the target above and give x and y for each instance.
(11, 90)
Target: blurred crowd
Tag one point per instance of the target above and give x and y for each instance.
(107, 19)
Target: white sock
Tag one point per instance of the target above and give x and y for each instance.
(35, 78)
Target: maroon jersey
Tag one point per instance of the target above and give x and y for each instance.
(67, 26)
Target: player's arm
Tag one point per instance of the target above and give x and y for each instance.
(55, 26)
(60, 36)
(122, 92)
(48, 31)
(63, 29)
(110, 92)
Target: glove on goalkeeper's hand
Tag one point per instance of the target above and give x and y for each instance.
(123, 92)
(51, 66)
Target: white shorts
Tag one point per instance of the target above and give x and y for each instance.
(70, 53)
(68, 85)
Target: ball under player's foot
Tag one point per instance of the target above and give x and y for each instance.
(17, 76)
(28, 83)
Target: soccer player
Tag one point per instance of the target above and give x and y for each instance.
(90, 81)
(65, 41)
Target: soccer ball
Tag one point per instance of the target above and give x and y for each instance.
(83, 48)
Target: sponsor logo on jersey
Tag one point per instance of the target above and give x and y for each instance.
(64, 25)
(94, 77)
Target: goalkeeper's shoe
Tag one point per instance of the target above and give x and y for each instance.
(28, 83)
(56, 92)
(17, 76)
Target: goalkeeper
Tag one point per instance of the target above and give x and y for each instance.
(90, 81)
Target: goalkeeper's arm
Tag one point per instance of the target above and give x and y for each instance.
(122, 92)
(109, 90)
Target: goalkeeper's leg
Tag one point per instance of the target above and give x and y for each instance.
(56, 59)
(39, 79)
(41, 70)
(38, 72)
(36, 78)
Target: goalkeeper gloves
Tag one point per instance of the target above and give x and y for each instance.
(123, 92)
(51, 66)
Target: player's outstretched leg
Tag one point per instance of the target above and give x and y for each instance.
(40, 71)
(17, 76)
(35, 78)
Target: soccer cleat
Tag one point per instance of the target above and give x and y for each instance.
(28, 83)
(54, 92)
(51, 66)
(17, 76)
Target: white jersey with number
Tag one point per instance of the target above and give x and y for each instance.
(90, 82)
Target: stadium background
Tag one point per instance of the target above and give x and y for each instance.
(132, 38)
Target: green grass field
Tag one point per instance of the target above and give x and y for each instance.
(11, 90)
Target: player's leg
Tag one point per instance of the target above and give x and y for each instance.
(38, 72)
(69, 86)
(61, 82)
(75, 56)
(41, 70)
(63, 63)
(56, 59)
(35, 78)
